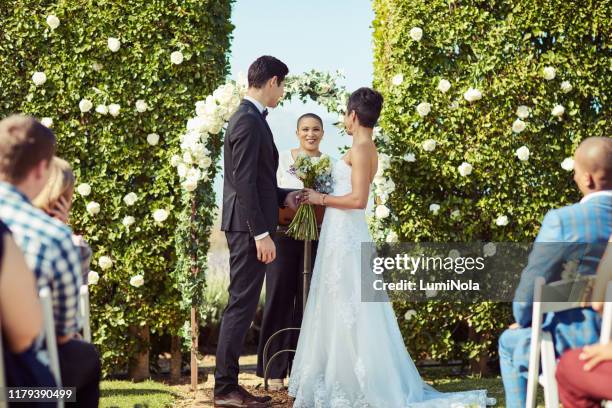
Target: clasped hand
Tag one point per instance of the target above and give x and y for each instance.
(310, 196)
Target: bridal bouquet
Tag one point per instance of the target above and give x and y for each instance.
(315, 173)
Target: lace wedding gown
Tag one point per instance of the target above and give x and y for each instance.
(351, 353)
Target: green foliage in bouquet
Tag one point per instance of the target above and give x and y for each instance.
(485, 103)
(315, 173)
(120, 79)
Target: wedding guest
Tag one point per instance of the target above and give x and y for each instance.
(284, 276)
(586, 222)
(56, 200)
(583, 375)
(26, 151)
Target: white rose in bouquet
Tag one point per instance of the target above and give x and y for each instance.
(153, 139)
(105, 262)
(423, 109)
(472, 95)
(137, 281)
(465, 169)
(48, 122)
(549, 73)
(518, 126)
(93, 208)
(566, 86)
(502, 221)
(130, 199)
(522, 112)
(141, 106)
(522, 153)
(444, 85)
(567, 164)
(160, 215)
(92, 278)
(114, 109)
(176, 58)
(84, 189)
(39, 78)
(102, 109)
(128, 220)
(113, 44)
(429, 145)
(53, 22)
(397, 79)
(416, 33)
(558, 111)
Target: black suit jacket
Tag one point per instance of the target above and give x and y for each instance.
(251, 196)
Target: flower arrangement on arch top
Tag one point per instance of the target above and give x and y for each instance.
(315, 173)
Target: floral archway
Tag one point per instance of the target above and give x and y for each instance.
(196, 166)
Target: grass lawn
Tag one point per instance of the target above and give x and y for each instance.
(148, 394)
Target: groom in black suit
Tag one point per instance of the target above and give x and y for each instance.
(251, 199)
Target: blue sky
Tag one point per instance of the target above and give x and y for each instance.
(326, 35)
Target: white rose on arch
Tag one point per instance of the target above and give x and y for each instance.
(382, 211)
(416, 33)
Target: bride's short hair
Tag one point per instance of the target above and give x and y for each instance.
(367, 104)
(310, 115)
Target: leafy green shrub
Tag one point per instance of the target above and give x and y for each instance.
(539, 73)
(170, 54)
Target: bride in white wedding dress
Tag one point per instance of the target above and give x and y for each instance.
(351, 353)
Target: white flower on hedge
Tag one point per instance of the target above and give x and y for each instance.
(392, 237)
(518, 126)
(454, 105)
(382, 211)
(566, 86)
(175, 160)
(114, 109)
(181, 169)
(501, 221)
(105, 262)
(397, 79)
(434, 208)
(444, 86)
(153, 139)
(410, 314)
(558, 111)
(48, 122)
(96, 66)
(93, 208)
(39, 78)
(472, 95)
(141, 106)
(130, 199)
(489, 249)
(416, 33)
(465, 169)
(85, 105)
(137, 281)
(522, 112)
(549, 73)
(429, 145)
(455, 214)
(522, 153)
(92, 278)
(52, 21)
(567, 164)
(423, 109)
(160, 215)
(176, 57)
(409, 157)
(113, 44)
(84, 189)
(128, 220)
(102, 109)
(190, 184)
(431, 293)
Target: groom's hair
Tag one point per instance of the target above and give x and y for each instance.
(367, 104)
(264, 68)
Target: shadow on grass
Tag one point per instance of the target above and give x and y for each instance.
(130, 392)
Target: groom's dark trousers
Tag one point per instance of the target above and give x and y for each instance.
(251, 199)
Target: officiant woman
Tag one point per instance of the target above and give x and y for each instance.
(284, 276)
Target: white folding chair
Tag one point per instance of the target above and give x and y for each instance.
(554, 297)
(3, 403)
(50, 340)
(84, 311)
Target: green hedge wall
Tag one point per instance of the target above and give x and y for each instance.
(504, 49)
(111, 153)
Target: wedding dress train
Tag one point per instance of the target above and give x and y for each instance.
(351, 353)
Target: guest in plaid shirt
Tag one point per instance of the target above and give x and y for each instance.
(26, 149)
